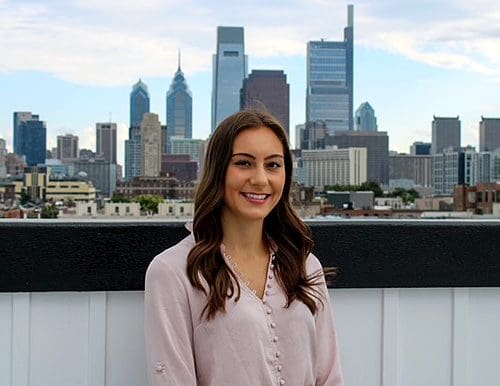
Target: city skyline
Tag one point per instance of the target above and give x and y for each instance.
(410, 62)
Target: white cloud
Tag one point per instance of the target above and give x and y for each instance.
(113, 42)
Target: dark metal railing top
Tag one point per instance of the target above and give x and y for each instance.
(113, 255)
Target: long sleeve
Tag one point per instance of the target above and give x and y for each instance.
(168, 324)
(328, 369)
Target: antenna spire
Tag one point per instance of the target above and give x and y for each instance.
(179, 60)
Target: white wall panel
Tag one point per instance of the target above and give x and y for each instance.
(59, 339)
(5, 338)
(425, 337)
(125, 349)
(483, 357)
(358, 320)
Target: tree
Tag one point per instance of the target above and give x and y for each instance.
(25, 197)
(149, 203)
(49, 211)
(117, 198)
(374, 187)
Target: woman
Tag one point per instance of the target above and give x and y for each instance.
(242, 301)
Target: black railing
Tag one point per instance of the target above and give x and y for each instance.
(113, 256)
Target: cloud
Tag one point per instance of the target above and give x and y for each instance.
(113, 42)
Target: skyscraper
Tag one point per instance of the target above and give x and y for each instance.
(106, 141)
(30, 138)
(67, 147)
(151, 150)
(139, 103)
(3, 158)
(489, 134)
(420, 148)
(445, 134)
(268, 89)
(365, 118)
(229, 70)
(329, 95)
(179, 108)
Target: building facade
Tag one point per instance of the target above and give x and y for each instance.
(100, 172)
(365, 119)
(268, 90)
(3, 158)
(489, 134)
(193, 147)
(67, 148)
(377, 145)
(229, 69)
(179, 166)
(30, 138)
(179, 109)
(329, 95)
(419, 169)
(445, 134)
(151, 145)
(448, 171)
(335, 166)
(420, 148)
(106, 141)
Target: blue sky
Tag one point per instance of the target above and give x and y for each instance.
(74, 61)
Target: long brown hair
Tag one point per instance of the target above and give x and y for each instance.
(282, 226)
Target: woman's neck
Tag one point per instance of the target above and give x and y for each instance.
(244, 238)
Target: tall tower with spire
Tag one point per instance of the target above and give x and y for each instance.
(179, 108)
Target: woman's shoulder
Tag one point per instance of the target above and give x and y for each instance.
(173, 260)
(313, 265)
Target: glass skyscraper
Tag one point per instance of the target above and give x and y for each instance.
(329, 95)
(365, 118)
(179, 108)
(30, 138)
(229, 70)
(139, 105)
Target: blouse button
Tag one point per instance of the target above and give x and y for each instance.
(268, 292)
(269, 311)
(264, 301)
(271, 276)
(272, 266)
(269, 285)
(278, 354)
(282, 381)
(275, 339)
(273, 325)
(279, 368)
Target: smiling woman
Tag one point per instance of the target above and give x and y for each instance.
(242, 300)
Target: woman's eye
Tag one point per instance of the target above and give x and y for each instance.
(273, 165)
(243, 163)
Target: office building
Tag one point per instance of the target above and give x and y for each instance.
(151, 145)
(67, 148)
(100, 172)
(133, 155)
(35, 183)
(420, 148)
(445, 134)
(191, 146)
(377, 145)
(179, 166)
(179, 109)
(139, 103)
(448, 171)
(30, 138)
(106, 141)
(313, 135)
(15, 165)
(489, 134)
(364, 118)
(3, 158)
(329, 95)
(335, 166)
(229, 69)
(268, 90)
(418, 169)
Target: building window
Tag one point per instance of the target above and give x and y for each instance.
(89, 209)
(127, 209)
(117, 209)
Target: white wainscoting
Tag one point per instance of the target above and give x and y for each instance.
(388, 337)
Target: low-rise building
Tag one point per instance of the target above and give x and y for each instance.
(86, 209)
(122, 209)
(70, 190)
(176, 209)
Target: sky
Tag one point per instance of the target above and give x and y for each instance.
(74, 62)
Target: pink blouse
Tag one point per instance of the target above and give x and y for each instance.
(256, 342)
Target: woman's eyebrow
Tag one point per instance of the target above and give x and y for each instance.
(253, 157)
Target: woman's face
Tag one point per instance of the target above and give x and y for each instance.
(255, 176)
